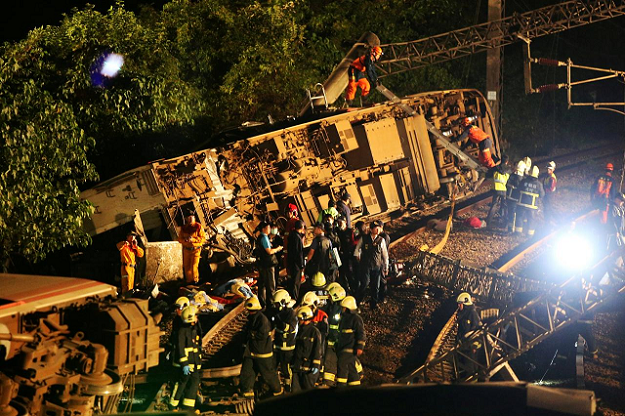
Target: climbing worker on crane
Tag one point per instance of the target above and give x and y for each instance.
(602, 193)
(129, 250)
(500, 180)
(192, 237)
(358, 72)
(512, 193)
(307, 356)
(350, 344)
(550, 184)
(530, 191)
(468, 322)
(188, 359)
(258, 355)
(477, 136)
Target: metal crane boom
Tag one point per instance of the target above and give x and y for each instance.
(406, 56)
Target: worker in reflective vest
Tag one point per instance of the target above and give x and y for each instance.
(258, 355)
(334, 311)
(530, 191)
(350, 344)
(129, 251)
(477, 136)
(500, 179)
(188, 359)
(550, 184)
(512, 193)
(284, 321)
(307, 357)
(192, 237)
(602, 193)
(356, 73)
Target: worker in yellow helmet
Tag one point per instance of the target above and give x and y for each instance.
(350, 344)
(307, 356)
(188, 358)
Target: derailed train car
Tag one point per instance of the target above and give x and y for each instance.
(383, 157)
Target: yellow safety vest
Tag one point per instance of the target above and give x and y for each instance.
(500, 181)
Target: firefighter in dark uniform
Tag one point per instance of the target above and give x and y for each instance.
(350, 344)
(468, 321)
(512, 193)
(333, 309)
(188, 360)
(307, 357)
(530, 191)
(258, 356)
(320, 318)
(285, 324)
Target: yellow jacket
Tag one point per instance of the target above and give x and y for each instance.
(128, 253)
(192, 236)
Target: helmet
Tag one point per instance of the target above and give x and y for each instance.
(189, 314)
(292, 208)
(520, 168)
(349, 303)
(551, 165)
(377, 51)
(528, 164)
(337, 292)
(305, 313)
(281, 298)
(310, 299)
(200, 298)
(253, 304)
(465, 299)
(182, 302)
(535, 171)
(318, 280)
(609, 167)
(241, 289)
(465, 122)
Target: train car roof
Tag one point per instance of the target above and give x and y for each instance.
(21, 294)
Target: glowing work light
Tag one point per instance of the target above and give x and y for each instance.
(573, 252)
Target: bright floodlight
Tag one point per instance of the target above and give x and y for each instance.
(112, 64)
(574, 252)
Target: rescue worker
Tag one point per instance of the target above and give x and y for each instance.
(355, 284)
(318, 259)
(266, 263)
(285, 324)
(527, 162)
(372, 255)
(550, 184)
(330, 210)
(357, 78)
(321, 318)
(512, 193)
(192, 237)
(500, 180)
(530, 192)
(258, 355)
(188, 359)
(350, 344)
(317, 285)
(333, 309)
(295, 260)
(468, 321)
(602, 193)
(344, 209)
(307, 356)
(129, 250)
(346, 251)
(477, 136)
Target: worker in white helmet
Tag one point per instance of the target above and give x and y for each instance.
(512, 193)
(530, 192)
(550, 184)
(468, 322)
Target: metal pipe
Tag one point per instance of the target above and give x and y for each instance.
(17, 337)
(585, 81)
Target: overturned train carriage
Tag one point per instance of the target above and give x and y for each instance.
(384, 158)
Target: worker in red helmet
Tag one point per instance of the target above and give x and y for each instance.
(602, 192)
(358, 72)
(477, 136)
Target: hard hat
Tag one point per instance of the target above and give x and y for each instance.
(520, 168)
(349, 303)
(182, 302)
(200, 298)
(189, 314)
(253, 304)
(318, 280)
(310, 299)
(332, 285)
(292, 208)
(465, 299)
(241, 289)
(528, 164)
(376, 50)
(535, 171)
(465, 121)
(609, 167)
(281, 297)
(337, 292)
(551, 165)
(305, 313)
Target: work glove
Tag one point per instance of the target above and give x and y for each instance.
(314, 371)
(186, 370)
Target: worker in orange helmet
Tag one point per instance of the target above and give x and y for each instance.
(602, 193)
(192, 237)
(129, 251)
(358, 72)
(477, 136)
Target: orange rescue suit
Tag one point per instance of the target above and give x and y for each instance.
(192, 237)
(128, 255)
(356, 73)
(477, 136)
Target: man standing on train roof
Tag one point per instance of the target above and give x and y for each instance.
(477, 136)
(358, 72)
(192, 237)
